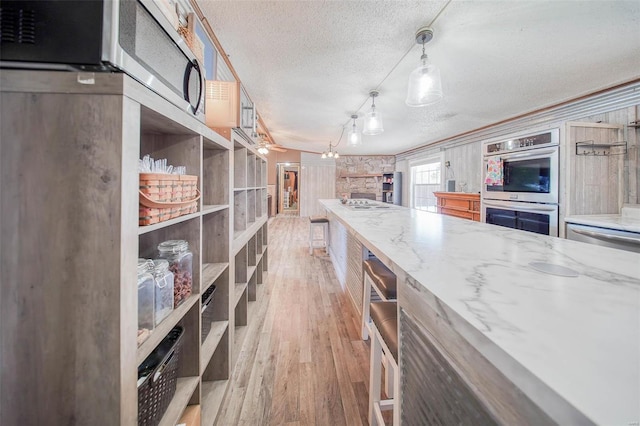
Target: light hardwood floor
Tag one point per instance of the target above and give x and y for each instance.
(302, 361)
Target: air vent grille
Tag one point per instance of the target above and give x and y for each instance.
(17, 25)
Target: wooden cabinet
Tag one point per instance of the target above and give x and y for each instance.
(71, 238)
(459, 204)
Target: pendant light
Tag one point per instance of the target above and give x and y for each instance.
(373, 119)
(425, 86)
(353, 137)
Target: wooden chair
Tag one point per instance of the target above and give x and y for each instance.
(384, 345)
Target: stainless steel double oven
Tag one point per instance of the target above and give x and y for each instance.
(521, 183)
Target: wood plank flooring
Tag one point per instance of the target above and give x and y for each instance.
(302, 361)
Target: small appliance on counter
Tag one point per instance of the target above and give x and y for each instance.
(621, 231)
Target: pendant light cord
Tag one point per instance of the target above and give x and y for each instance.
(398, 63)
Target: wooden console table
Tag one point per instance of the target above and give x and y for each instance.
(459, 204)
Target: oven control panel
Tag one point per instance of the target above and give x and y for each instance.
(534, 141)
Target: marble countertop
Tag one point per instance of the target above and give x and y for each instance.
(576, 338)
(627, 220)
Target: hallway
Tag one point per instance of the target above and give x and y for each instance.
(302, 361)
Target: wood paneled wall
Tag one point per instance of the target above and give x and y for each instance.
(317, 181)
(630, 163)
(595, 183)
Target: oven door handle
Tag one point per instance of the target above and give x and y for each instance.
(603, 236)
(523, 208)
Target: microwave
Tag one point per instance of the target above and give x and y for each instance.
(130, 36)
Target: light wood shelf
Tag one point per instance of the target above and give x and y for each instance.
(184, 391)
(211, 272)
(162, 329)
(213, 208)
(251, 270)
(239, 289)
(218, 328)
(212, 396)
(150, 228)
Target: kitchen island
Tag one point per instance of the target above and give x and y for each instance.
(527, 346)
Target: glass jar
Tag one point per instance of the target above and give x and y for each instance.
(163, 289)
(180, 259)
(146, 284)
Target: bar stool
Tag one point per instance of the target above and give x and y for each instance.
(379, 278)
(323, 222)
(384, 345)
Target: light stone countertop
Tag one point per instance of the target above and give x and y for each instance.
(577, 338)
(628, 220)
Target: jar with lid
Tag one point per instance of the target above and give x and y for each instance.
(163, 289)
(180, 259)
(146, 284)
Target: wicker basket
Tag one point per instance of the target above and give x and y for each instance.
(157, 378)
(207, 312)
(164, 197)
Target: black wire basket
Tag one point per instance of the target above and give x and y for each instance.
(207, 311)
(157, 377)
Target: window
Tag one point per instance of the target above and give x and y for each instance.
(426, 178)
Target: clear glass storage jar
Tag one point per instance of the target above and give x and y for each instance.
(163, 289)
(146, 284)
(180, 259)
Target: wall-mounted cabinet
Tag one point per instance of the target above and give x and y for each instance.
(228, 107)
(78, 304)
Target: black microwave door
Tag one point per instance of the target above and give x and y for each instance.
(53, 31)
(532, 175)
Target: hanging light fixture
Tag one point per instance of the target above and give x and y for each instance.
(373, 119)
(330, 153)
(425, 86)
(353, 137)
(262, 149)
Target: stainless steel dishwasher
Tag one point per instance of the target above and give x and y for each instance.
(624, 240)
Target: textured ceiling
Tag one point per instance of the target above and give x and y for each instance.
(309, 65)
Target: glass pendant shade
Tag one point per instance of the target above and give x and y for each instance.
(425, 86)
(353, 137)
(372, 123)
(324, 155)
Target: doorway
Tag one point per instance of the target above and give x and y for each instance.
(288, 188)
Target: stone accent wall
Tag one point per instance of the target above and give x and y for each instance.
(362, 165)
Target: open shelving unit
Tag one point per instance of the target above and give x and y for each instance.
(87, 284)
(250, 226)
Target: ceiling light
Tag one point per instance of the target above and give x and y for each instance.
(425, 86)
(353, 137)
(331, 153)
(263, 150)
(373, 119)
